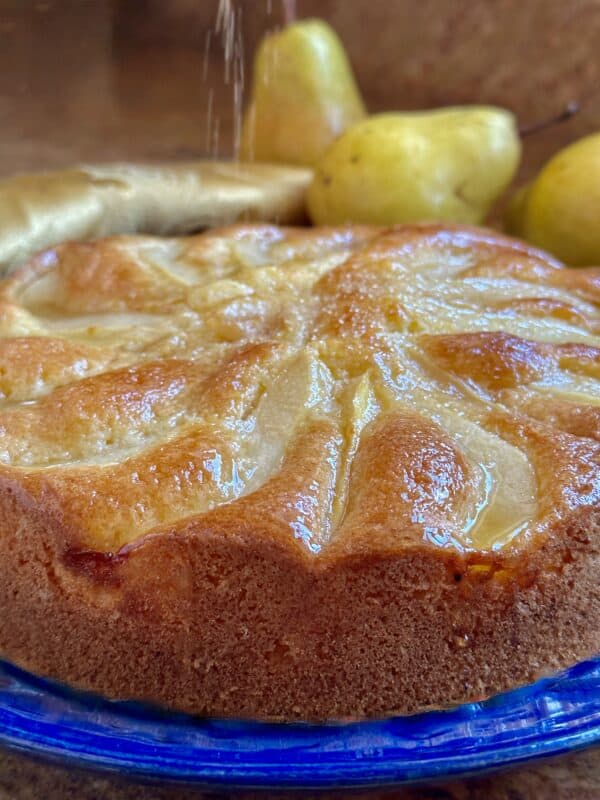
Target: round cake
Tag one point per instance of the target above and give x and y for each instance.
(299, 473)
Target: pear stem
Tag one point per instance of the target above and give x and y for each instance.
(568, 111)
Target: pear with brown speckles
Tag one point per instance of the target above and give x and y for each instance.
(447, 164)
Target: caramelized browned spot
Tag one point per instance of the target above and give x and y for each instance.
(354, 301)
(575, 418)
(510, 264)
(112, 409)
(294, 507)
(409, 483)
(94, 278)
(33, 365)
(546, 308)
(493, 360)
(185, 476)
(106, 416)
(580, 358)
(583, 282)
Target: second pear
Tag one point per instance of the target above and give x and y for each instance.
(445, 164)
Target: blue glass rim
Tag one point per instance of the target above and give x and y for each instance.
(76, 729)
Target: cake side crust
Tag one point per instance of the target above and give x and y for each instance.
(223, 626)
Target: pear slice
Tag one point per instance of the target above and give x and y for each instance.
(303, 388)
(361, 408)
(506, 500)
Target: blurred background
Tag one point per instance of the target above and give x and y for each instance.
(133, 79)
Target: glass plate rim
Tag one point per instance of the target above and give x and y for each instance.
(555, 715)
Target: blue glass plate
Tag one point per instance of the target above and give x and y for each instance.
(553, 716)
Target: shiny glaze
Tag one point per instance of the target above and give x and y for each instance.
(353, 388)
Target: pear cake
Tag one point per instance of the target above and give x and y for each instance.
(288, 473)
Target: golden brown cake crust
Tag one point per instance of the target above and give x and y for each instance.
(299, 473)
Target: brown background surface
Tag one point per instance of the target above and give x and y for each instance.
(118, 79)
(100, 80)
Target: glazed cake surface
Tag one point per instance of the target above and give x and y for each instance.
(315, 473)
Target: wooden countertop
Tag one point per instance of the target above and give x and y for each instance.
(576, 777)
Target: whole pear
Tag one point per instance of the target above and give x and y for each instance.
(446, 164)
(561, 212)
(303, 95)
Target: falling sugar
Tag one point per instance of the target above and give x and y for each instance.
(206, 56)
(289, 11)
(228, 33)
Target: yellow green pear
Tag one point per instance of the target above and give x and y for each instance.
(446, 164)
(303, 96)
(561, 212)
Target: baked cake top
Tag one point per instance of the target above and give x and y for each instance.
(339, 391)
